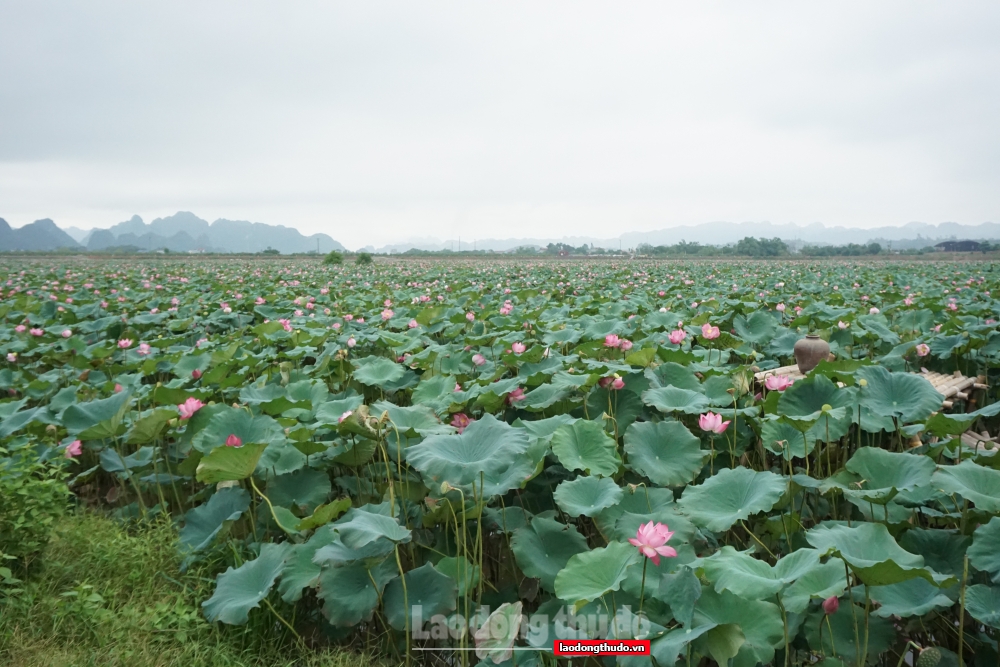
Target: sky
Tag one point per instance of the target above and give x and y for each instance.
(379, 122)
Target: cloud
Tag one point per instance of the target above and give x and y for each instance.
(375, 123)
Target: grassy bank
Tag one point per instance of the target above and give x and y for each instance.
(104, 597)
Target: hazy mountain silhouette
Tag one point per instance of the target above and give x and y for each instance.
(38, 235)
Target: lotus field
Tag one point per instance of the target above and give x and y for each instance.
(458, 463)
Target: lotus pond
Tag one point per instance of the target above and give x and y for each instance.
(458, 463)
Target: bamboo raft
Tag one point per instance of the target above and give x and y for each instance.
(954, 387)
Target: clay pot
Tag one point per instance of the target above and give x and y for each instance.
(809, 351)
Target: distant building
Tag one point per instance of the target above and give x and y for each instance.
(957, 246)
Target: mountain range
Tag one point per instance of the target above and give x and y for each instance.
(181, 232)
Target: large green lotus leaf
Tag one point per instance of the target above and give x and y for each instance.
(541, 430)
(377, 371)
(112, 461)
(807, 397)
(254, 395)
(871, 552)
(626, 406)
(983, 603)
(731, 495)
(544, 396)
(757, 328)
(681, 591)
(359, 528)
(331, 411)
(584, 445)
(204, 522)
(675, 399)
(495, 638)
(465, 574)
(984, 554)
(826, 580)
(666, 453)
(943, 550)
(300, 570)
(905, 396)
(760, 622)
(305, 489)
(488, 446)
(672, 374)
(348, 594)
(587, 495)
(635, 500)
(589, 575)
(818, 625)
(428, 593)
(238, 422)
(543, 548)
(746, 576)
(973, 482)
(148, 427)
(914, 597)
(239, 590)
(229, 464)
(784, 438)
(98, 419)
(668, 648)
(412, 420)
(283, 457)
(883, 474)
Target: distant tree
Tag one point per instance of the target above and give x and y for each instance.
(874, 248)
(270, 251)
(363, 258)
(333, 257)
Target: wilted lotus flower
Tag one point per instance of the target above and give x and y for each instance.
(611, 340)
(74, 448)
(677, 336)
(923, 349)
(189, 407)
(709, 332)
(233, 441)
(478, 359)
(778, 382)
(517, 347)
(344, 416)
(651, 540)
(713, 423)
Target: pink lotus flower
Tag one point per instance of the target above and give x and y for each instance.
(831, 605)
(709, 332)
(518, 347)
(470, 316)
(189, 407)
(20, 328)
(780, 308)
(516, 395)
(351, 342)
(604, 382)
(12, 357)
(618, 383)
(124, 343)
(233, 441)
(713, 423)
(413, 324)
(778, 382)
(259, 301)
(478, 359)
(611, 340)
(387, 314)
(67, 333)
(460, 421)
(625, 345)
(144, 349)
(196, 374)
(923, 349)
(842, 325)
(36, 332)
(73, 449)
(118, 388)
(348, 317)
(344, 416)
(677, 336)
(873, 311)
(651, 540)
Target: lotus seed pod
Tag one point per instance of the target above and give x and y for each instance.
(929, 657)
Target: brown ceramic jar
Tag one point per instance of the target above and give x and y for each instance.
(809, 351)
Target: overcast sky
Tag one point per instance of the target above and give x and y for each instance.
(382, 121)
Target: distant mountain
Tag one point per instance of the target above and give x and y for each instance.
(38, 235)
(186, 232)
(79, 235)
(914, 234)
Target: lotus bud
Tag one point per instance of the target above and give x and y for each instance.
(831, 605)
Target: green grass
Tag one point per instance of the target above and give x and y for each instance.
(104, 597)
